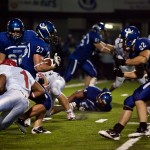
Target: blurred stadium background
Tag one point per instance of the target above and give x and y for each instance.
(73, 18)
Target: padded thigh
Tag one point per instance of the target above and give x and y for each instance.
(56, 87)
(129, 102)
(142, 93)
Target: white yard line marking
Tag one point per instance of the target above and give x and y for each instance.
(124, 94)
(131, 141)
(82, 84)
(128, 144)
(135, 123)
(101, 120)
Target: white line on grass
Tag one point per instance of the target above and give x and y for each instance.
(135, 123)
(128, 144)
(101, 120)
(82, 84)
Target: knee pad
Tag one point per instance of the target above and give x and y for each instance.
(127, 108)
(129, 103)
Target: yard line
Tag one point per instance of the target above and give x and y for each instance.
(135, 123)
(82, 84)
(101, 120)
(128, 144)
(131, 141)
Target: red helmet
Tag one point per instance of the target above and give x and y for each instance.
(9, 62)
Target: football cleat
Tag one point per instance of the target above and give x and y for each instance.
(40, 130)
(71, 116)
(139, 133)
(110, 134)
(27, 122)
(21, 125)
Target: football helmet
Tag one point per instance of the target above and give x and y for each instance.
(15, 28)
(99, 27)
(130, 34)
(104, 98)
(130, 29)
(47, 31)
(9, 62)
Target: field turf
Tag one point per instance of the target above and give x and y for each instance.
(81, 134)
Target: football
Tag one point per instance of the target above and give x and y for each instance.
(48, 61)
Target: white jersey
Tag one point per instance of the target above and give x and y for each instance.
(119, 49)
(52, 76)
(55, 83)
(17, 79)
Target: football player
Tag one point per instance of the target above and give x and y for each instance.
(15, 87)
(139, 55)
(91, 99)
(47, 32)
(122, 53)
(80, 57)
(28, 51)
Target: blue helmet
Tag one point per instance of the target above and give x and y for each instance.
(128, 30)
(105, 97)
(47, 31)
(15, 28)
(130, 34)
(99, 27)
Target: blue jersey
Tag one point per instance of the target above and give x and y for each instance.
(141, 44)
(15, 50)
(80, 57)
(37, 46)
(89, 100)
(23, 50)
(86, 47)
(142, 92)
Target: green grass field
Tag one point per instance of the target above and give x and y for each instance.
(80, 134)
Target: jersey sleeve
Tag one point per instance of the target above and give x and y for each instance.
(142, 44)
(95, 37)
(40, 47)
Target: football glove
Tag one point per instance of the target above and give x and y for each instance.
(120, 62)
(118, 72)
(57, 59)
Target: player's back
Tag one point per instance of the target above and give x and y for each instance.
(17, 78)
(86, 46)
(29, 35)
(91, 92)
